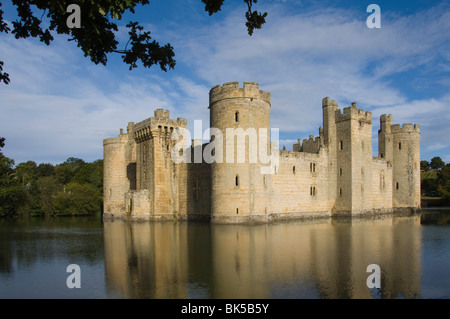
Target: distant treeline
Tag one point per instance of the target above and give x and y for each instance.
(67, 189)
(435, 180)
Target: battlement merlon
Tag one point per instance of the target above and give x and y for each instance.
(385, 123)
(327, 102)
(406, 128)
(121, 139)
(352, 112)
(160, 122)
(231, 90)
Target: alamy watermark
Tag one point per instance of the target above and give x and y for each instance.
(74, 279)
(74, 19)
(372, 21)
(374, 279)
(262, 146)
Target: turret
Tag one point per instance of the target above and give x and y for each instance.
(354, 159)
(156, 172)
(406, 165)
(115, 180)
(385, 138)
(239, 190)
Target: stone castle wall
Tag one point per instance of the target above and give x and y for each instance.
(331, 174)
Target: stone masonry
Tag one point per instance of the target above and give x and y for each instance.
(333, 174)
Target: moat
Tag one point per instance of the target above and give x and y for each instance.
(317, 259)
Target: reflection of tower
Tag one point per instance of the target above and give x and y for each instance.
(342, 253)
(146, 260)
(239, 190)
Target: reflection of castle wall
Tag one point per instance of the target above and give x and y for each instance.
(250, 262)
(326, 258)
(343, 254)
(240, 261)
(145, 260)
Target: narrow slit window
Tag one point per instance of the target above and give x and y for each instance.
(236, 116)
(399, 146)
(196, 188)
(340, 191)
(236, 180)
(397, 186)
(341, 145)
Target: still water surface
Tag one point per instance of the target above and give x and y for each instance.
(320, 259)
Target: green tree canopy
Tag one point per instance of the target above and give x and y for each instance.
(45, 169)
(26, 172)
(78, 199)
(437, 163)
(96, 36)
(424, 165)
(11, 189)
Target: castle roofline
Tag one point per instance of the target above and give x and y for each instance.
(231, 90)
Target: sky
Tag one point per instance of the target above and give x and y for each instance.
(59, 104)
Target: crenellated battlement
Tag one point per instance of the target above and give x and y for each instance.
(327, 102)
(159, 123)
(406, 128)
(161, 113)
(232, 90)
(352, 112)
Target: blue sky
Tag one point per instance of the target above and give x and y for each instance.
(59, 104)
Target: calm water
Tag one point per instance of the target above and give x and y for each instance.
(323, 259)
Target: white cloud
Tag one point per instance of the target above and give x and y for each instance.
(59, 104)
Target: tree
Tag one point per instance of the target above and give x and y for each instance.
(437, 163)
(26, 172)
(91, 173)
(78, 199)
(45, 170)
(96, 36)
(67, 170)
(48, 187)
(11, 189)
(424, 165)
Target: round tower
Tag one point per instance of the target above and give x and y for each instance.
(406, 166)
(239, 191)
(115, 181)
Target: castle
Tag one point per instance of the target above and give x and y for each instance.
(333, 174)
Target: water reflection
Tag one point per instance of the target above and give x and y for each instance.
(322, 259)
